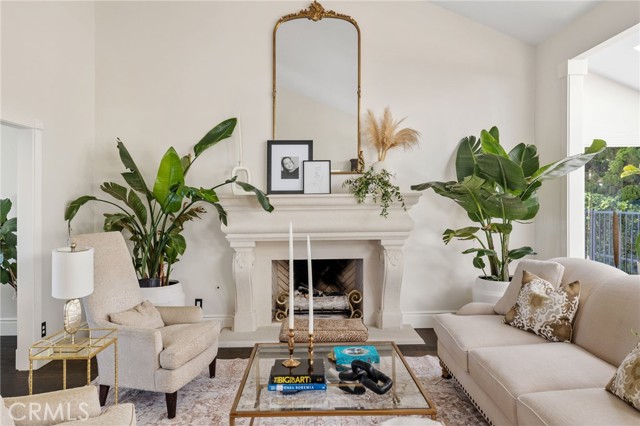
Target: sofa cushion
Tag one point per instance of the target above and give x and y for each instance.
(144, 315)
(460, 333)
(625, 383)
(602, 325)
(505, 373)
(5, 416)
(183, 342)
(545, 269)
(575, 407)
(543, 310)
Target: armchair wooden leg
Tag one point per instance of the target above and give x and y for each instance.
(172, 402)
(104, 391)
(212, 368)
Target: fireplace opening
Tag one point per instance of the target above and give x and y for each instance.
(337, 287)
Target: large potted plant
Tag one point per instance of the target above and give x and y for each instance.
(497, 188)
(154, 218)
(8, 246)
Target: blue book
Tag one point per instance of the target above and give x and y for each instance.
(297, 387)
(345, 354)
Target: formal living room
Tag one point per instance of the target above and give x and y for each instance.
(339, 213)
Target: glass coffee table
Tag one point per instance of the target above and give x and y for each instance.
(406, 397)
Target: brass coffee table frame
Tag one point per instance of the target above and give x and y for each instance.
(88, 343)
(306, 412)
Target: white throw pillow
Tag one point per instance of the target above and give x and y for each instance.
(144, 315)
(547, 270)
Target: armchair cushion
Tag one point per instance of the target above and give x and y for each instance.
(144, 315)
(115, 415)
(183, 342)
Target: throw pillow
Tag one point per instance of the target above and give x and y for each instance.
(549, 271)
(543, 310)
(144, 315)
(625, 383)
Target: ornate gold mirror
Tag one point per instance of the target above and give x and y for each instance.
(316, 84)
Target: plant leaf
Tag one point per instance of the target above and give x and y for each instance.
(503, 171)
(569, 164)
(526, 156)
(468, 149)
(169, 178)
(137, 206)
(134, 177)
(5, 207)
(75, 205)
(118, 192)
(261, 196)
(491, 142)
(215, 135)
(520, 252)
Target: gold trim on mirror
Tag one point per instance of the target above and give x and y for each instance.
(316, 12)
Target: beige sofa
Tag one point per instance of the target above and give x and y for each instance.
(77, 406)
(517, 378)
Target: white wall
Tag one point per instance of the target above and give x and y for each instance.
(166, 72)
(611, 112)
(599, 24)
(48, 74)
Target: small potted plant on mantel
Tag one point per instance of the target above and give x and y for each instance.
(154, 218)
(496, 189)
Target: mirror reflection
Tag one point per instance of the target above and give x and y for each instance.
(316, 84)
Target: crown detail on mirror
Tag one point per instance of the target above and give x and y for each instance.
(315, 12)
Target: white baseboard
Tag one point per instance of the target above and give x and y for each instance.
(8, 326)
(226, 321)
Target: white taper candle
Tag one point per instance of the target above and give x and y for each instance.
(291, 323)
(310, 285)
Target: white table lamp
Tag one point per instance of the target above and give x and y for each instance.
(71, 279)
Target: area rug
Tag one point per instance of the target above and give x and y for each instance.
(207, 401)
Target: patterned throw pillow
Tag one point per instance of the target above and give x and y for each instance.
(543, 310)
(625, 383)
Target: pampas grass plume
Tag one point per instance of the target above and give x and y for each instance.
(384, 135)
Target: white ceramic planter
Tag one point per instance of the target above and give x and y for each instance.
(170, 295)
(488, 291)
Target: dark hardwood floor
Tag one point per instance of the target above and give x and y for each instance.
(49, 377)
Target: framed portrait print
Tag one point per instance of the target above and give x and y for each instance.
(284, 165)
(317, 176)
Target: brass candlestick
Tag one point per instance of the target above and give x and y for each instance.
(311, 349)
(291, 362)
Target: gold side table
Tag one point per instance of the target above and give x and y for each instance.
(88, 343)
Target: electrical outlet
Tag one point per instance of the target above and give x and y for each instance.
(43, 329)
(199, 303)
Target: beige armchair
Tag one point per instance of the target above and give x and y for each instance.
(77, 406)
(153, 359)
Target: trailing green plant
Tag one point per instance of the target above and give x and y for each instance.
(377, 185)
(497, 188)
(8, 245)
(155, 218)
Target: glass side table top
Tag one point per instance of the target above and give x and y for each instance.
(406, 397)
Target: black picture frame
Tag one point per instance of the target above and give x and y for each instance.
(317, 176)
(280, 179)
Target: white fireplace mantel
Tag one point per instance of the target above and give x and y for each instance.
(339, 227)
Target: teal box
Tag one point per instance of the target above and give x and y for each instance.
(346, 354)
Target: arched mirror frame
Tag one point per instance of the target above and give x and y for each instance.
(315, 12)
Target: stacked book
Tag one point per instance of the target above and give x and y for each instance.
(301, 378)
